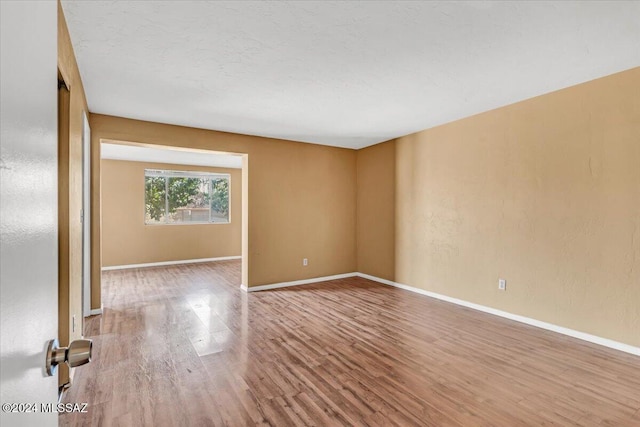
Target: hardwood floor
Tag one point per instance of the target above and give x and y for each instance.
(183, 345)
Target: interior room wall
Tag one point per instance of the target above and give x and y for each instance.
(544, 193)
(126, 239)
(302, 197)
(376, 221)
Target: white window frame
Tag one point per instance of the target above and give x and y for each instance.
(165, 173)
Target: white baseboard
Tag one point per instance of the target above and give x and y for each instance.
(522, 319)
(159, 264)
(95, 311)
(296, 282)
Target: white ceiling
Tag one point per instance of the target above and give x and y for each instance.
(167, 155)
(347, 74)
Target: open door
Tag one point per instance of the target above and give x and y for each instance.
(28, 207)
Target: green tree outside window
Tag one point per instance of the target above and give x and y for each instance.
(178, 199)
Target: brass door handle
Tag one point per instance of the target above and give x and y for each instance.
(77, 354)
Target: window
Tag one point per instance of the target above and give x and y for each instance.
(174, 197)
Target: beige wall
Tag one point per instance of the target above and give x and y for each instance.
(302, 197)
(70, 196)
(544, 193)
(376, 222)
(127, 240)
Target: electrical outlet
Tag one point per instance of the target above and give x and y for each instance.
(305, 261)
(502, 284)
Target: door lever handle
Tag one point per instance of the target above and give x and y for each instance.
(77, 354)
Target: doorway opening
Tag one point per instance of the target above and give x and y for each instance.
(163, 205)
(66, 320)
(86, 218)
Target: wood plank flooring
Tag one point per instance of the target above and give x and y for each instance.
(184, 346)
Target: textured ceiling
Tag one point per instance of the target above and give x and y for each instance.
(348, 74)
